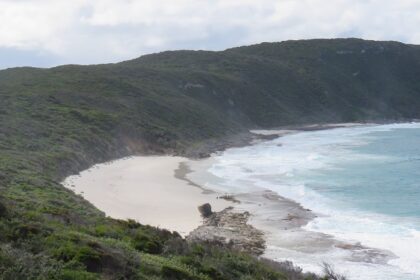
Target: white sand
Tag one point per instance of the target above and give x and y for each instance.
(145, 189)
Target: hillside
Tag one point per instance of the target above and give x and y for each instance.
(55, 122)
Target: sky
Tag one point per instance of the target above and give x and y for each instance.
(44, 33)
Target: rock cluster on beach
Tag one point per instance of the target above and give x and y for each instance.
(230, 227)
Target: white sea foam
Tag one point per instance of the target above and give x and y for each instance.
(275, 165)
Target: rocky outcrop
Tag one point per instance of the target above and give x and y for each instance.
(230, 227)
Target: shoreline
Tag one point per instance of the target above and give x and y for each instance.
(279, 221)
(156, 190)
(284, 229)
(290, 215)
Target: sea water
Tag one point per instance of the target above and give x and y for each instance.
(364, 182)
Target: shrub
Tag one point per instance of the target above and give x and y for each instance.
(81, 254)
(290, 271)
(3, 210)
(170, 272)
(77, 275)
(66, 252)
(132, 224)
(175, 246)
(146, 243)
(90, 258)
(330, 274)
(19, 264)
(25, 231)
(101, 230)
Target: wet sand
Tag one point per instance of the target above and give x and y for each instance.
(282, 221)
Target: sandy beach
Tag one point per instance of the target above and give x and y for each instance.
(165, 191)
(146, 189)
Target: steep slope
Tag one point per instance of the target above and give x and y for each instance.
(58, 121)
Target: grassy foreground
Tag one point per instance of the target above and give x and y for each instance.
(56, 122)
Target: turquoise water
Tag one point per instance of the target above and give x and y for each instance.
(386, 180)
(364, 182)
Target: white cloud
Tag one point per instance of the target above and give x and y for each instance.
(95, 31)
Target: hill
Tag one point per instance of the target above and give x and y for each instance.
(58, 121)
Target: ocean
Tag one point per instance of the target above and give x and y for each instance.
(363, 182)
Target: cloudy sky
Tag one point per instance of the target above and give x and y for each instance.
(51, 32)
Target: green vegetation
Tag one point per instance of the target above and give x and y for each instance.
(59, 121)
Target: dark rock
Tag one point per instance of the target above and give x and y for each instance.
(205, 210)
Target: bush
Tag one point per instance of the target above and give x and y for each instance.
(170, 272)
(3, 210)
(81, 254)
(77, 275)
(330, 274)
(28, 230)
(146, 243)
(90, 258)
(175, 246)
(19, 264)
(291, 271)
(66, 252)
(132, 224)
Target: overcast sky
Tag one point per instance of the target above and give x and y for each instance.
(52, 32)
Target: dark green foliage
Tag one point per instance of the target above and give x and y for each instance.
(18, 264)
(77, 275)
(59, 121)
(218, 263)
(90, 258)
(169, 272)
(94, 255)
(147, 243)
(82, 254)
(3, 209)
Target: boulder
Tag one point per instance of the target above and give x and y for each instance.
(205, 210)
